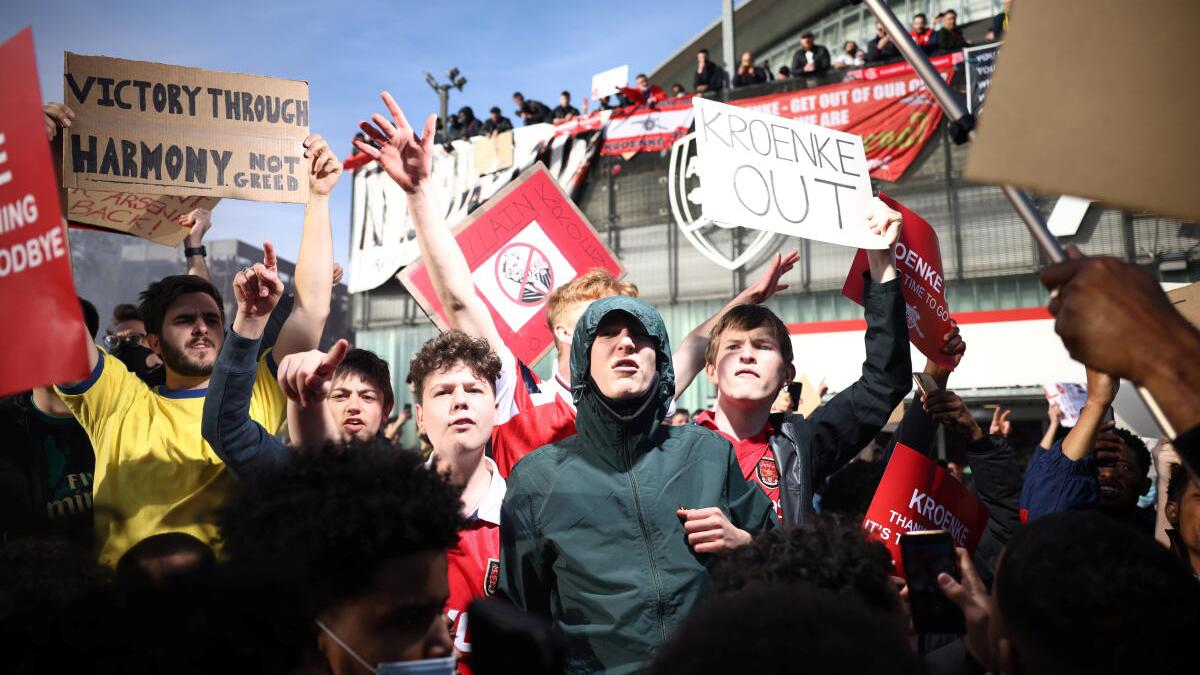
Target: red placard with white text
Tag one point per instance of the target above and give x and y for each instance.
(917, 494)
(919, 262)
(35, 259)
(521, 244)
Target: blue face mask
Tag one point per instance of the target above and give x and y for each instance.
(442, 666)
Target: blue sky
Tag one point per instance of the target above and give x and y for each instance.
(349, 52)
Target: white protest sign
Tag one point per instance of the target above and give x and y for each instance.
(608, 82)
(1069, 397)
(769, 173)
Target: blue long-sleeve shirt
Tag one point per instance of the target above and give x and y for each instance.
(243, 444)
(1054, 483)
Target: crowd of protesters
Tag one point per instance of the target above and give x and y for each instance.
(219, 495)
(810, 60)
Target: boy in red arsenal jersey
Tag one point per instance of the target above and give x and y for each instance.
(452, 377)
(749, 359)
(529, 413)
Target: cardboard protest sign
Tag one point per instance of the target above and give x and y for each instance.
(916, 494)
(1123, 134)
(151, 128)
(1187, 301)
(919, 262)
(607, 83)
(493, 154)
(1069, 397)
(35, 260)
(150, 217)
(521, 244)
(769, 173)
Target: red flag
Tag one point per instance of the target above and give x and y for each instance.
(35, 259)
(919, 262)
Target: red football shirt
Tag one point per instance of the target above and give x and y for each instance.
(754, 457)
(473, 564)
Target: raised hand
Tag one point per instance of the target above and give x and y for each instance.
(709, 530)
(324, 168)
(972, 597)
(947, 409)
(199, 222)
(258, 288)
(768, 284)
(307, 377)
(57, 116)
(1000, 423)
(884, 221)
(407, 157)
(1101, 388)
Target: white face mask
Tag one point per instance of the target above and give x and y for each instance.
(442, 666)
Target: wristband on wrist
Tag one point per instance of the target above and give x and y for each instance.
(190, 251)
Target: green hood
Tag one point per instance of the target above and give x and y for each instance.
(595, 417)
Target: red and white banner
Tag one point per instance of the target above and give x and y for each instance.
(919, 263)
(895, 115)
(640, 128)
(35, 259)
(522, 244)
(941, 62)
(917, 494)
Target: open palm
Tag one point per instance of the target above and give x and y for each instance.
(406, 157)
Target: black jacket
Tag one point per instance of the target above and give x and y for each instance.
(534, 112)
(501, 126)
(889, 51)
(712, 77)
(808, 450)
(821, 62)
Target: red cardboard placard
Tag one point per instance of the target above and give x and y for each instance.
(35, 259)
(917, 494)
(523, 243)
(919, 262)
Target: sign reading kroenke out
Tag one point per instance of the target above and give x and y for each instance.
(770, 173)
(156, 129)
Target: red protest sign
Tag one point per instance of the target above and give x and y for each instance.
(919, 262)
(521, 244)
(35, 261)
(917, 494)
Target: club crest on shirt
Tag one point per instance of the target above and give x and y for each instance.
(491, 578)
(768, 473)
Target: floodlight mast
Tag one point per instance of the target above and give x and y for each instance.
(962, 129)
(456, 81)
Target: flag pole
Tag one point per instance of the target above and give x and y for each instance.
(962, 129)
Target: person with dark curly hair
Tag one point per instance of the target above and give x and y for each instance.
(1080, 593)
(1096, 466)
(356, 538)
(830, 553)
(784, 628)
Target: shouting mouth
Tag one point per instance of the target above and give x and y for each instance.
(353, 425)
(462, 423)
(627, 366)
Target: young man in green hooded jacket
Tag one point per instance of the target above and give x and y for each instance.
(610, 532)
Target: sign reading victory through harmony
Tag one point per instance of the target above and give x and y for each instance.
(769, 173)
(157, 129)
